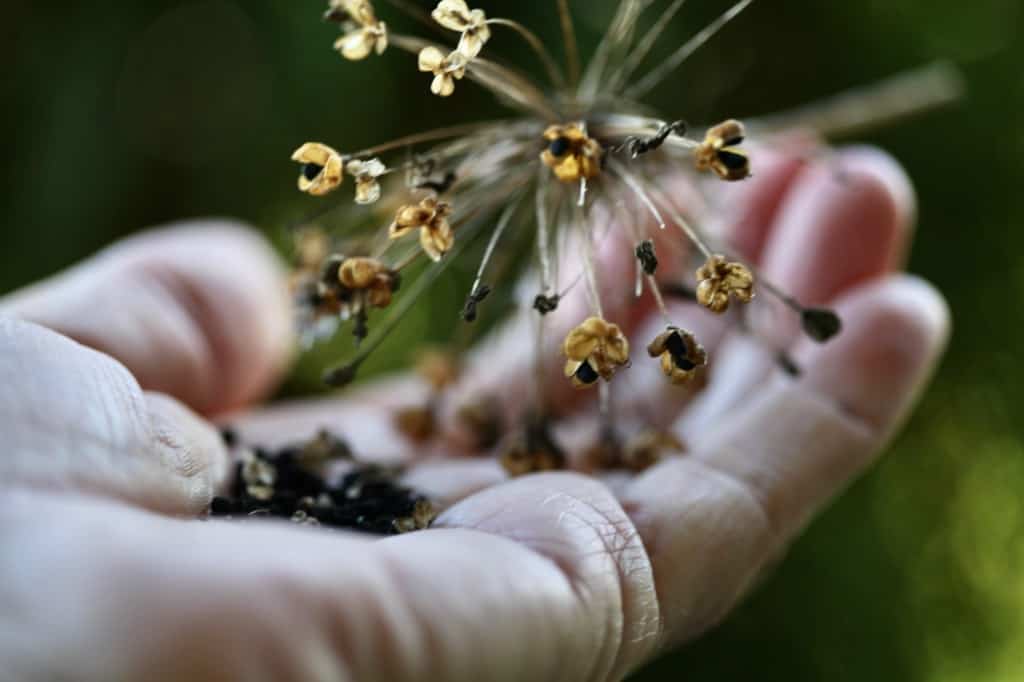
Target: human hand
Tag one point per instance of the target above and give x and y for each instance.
(551, 576)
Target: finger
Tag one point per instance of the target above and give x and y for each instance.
(711, 521)
(844, 222)
(196, 311)
(74, 419)
(552, 585)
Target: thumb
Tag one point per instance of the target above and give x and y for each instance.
(197, 311)
(74, 419)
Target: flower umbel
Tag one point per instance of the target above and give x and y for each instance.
(580, 158)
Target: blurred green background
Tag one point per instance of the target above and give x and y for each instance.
(121, 114)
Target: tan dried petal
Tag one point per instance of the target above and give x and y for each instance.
(418, 424)
(437, 239)
(680, 354)
(366, 174)
(720, 152)
(719, 280)
(360, 273)
(322, 170)
(446, 70)
(594, 347)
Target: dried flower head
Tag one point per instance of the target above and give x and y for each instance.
(532, 450)
(647, 448)
(430, 216)
(365, 174)
(438, 367)
(571, 154)
(719, 279)
(595, 350)
(720, 151)
(680, 354)
(455, 15)
(321, 168)
(418, 423)
(581, 157)
(369, 276)
(362, 33)
(446, 69)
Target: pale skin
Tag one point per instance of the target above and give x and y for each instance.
(111, 375)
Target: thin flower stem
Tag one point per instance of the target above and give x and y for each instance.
(659, 73)
(501, 80)
(429, 136)
(572, 50)
(658, 299)
(539, 372)
(417, 13)
(588, 264)
(557, 79)
(634, 185)
(854, 111)
(643, 49)
(543, 231)
(619, 33)
(503, 222)
(604, 399)
(683, 224)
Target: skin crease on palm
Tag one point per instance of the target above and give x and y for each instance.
(105, 369)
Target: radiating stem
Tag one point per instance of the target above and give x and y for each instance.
(851, 112)
(557, 79)
(572, 50)
(428, 136)
(659, 73)
(503, 222)
(643, 49)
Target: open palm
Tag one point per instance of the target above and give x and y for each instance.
(554, 576)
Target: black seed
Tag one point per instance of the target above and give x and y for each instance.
(341, 376)
(222, 506)
(820, 324)
(734, 161)
(679, 290)
(329, 271)
(788, 365)
(559, 146)
(229, 436)
(311, 170)
(677, 349)
(645, 254)
(439, 187)
(586, 374)
(546, 304)
(473, 300)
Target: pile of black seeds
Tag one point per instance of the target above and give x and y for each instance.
(290, 484)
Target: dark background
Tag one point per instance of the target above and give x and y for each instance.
(118, 115)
